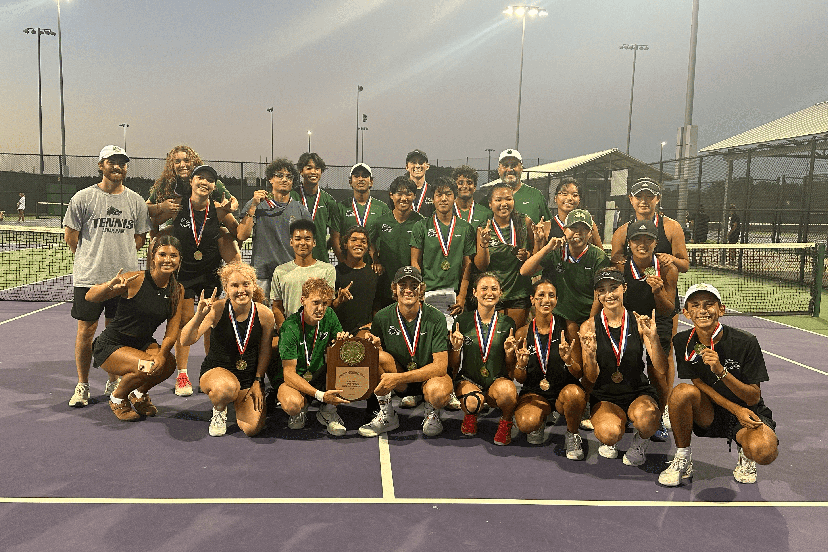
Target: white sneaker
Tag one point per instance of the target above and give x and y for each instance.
(637, 453)
(218, 423)
(574, 450)
(383, 422)
(111, 386)
(665, 419)
(432, 426)
(679, 469)
(536, 437)
(745, 470)
(329, 418)
(81, 395)
(454, 402)
(586, 422)
(411, 401)
(298, 421)
(608, 451)
(515, 431)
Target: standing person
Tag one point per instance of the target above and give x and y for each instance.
(391, 236)
(645, 195)
(734, 231)
(288, 278)
(104, 225)
(486, 340)
(568, 198)
(198, 228)
(528, 200)
(303, 345)
(413, 344)
(503, 246)
(272, 213)
(416, 164)
(21, 208)
(322, 207)
(724, 400)
(362, 210)
(613, 344)
(356, 283)
(701, 225)
(239, 353)
(467, 209)
(549, 374)
(126, 348)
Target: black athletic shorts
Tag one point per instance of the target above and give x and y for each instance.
(204, 282)
(624, 401)
(89, 311)
(725, 425)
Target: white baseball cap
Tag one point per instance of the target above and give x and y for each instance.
(695, 288)
(111, 150)
(510, 153)
(364, 166)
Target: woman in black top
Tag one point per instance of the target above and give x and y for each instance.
(613, 345)
(240, 350)
(126, 347)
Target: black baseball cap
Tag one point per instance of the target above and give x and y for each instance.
(408, 272)
(416, 153)
(205, 168)
(607, 274)
(642, 228)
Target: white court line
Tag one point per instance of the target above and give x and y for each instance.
(30, 313)
(470, 501)
(385, 468)
(789, 326)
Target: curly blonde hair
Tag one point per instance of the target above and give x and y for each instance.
(165, 185)
(317, 285)
(247, 272)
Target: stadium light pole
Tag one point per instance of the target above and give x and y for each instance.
(356, 157)
(270, 110)
(38, 31)
(661, 164)
(363, 129)
(309, 142)
(62, 110)
(489, 169)
(522, 12)
(635, 48)
(126, 126)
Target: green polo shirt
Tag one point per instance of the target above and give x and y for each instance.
(480, 214)
(327, 211)
(574, 281)
(433, 334)
(392, 239)
(463, 244)
(347, 218)
(495, 366)
(293, 343)
(530, 201)
(504, 263)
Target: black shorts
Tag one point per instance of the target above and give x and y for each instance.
(204, 282)
(89, 311)
(519, 303)
(109, 342)
(551, 395)
(624, 401)
(244, 377)
(725, 425)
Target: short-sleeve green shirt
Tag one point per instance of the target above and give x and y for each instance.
(530, 201)
(479, 214)
(472, 357)
(347, 218)
(574, 281)
(433, 334)
(392, 239)
(463, 244)
(327, 212)
(293, 344)
(504, 263)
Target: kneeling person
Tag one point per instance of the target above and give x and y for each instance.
(303, 343)
(726, 367)
(239, 353)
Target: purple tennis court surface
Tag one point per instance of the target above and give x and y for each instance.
(79, 478)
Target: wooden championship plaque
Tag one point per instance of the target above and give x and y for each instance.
(353, 366)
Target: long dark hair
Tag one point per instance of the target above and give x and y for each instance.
(158, 242)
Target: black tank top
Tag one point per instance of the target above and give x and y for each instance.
(639, 295)
(632, 363)
(208, 246)
(223, 349)
(557, 374)
(140, 316)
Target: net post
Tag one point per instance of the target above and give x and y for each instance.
(819, 270)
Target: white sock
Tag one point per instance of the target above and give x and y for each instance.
(138, 394)
(182, 371)
(116, 400)
(384, 401)
(683, 452)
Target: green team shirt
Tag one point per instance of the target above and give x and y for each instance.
(292, 343)
(433, 335)
(530, 201)
(392, 239)
(574, 281)
(347, 218)
(327, 211)
(463, 244)
(504, 263)
(480, 214)
(472, 357)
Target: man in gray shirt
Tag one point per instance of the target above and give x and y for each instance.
(272, 213)
(104, 226)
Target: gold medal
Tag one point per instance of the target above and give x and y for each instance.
(544, 385)
(445, 265)
(699, 348)
(617, 377)
(411, 365)
(650, 271)
(484, 372)
(198, 255)
(241, 365)
(308, 376)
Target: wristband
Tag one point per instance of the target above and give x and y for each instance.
(457, 350)
(521, 368)
(724, 373)
(319, 395)
(260, 379)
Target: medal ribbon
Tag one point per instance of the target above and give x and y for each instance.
(356, 213)
(197, 235)
(561, 224)
(471, 212)
(411, 344)
(618, 349)
(691, 356)
(422, 197)
(640, 275)
(568, 256)
(315, 204)
(242, 348)
(445, 245)
(513, 243)
(305, 343)
(543, 358)
(485, 343)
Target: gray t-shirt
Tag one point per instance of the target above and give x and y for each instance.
(289, 278)
(271, 234)
(107, 224)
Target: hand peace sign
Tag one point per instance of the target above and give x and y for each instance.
(205, 305)
(119, 282)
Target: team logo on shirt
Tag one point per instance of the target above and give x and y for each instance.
(732, 366)
(185, 223)
(392, 330)
(386, 228)
(431, 233)
(113, 211)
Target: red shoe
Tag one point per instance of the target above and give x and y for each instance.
(183, 387)
(504, 433)
(469, 426)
